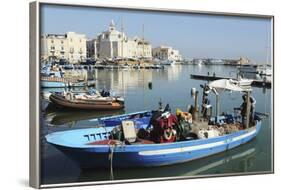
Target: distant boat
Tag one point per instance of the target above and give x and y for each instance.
(157, 66)
(58, 82)
(266, 70)
(68, 67)
(249, 68)
(55, 79)
(53, 84)
(86, 101)
(168, 62)
(256, 69)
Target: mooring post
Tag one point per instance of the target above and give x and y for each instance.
(217, 105)
(248, 110)
(196, 105)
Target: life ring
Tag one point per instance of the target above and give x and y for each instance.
(168, 133)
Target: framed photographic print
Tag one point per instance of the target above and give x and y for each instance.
(128, 94)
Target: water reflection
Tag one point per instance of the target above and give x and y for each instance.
(57, 116)
(240, 159)
(122, 81)
(172, 85)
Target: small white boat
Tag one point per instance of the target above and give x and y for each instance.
(168, 62)
(266, 70)
(242, 81)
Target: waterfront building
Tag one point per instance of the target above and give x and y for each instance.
(243, 60)
(70, 46)
(213, 61)
(166, 53)
(91, 48)
(240, 61)
(115, 44)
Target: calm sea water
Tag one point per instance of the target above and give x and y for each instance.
(171, 85)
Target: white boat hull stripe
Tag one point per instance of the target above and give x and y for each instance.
(196, 147)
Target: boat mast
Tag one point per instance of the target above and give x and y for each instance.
(142, 40)
(267, 48)
(248, 109)
(217, 105)
(122, 40)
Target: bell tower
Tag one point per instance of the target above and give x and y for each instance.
(111, 26)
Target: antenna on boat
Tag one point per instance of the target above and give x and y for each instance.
(122, 39)
(267, 48)
(160, 104)
(143, 41)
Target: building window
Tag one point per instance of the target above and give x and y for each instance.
(52, 41)
(70, 39)
(61, 41)
(80, 40)
(106, 36)
(71, 50)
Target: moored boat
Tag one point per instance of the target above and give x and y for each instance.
(58, 82)
(90, 148)
(55, 79)
(86, 101)
(166, 139)
(242, 81)
(249, 68)
(266, 70)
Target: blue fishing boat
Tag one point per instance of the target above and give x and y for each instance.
(55, 79)
(55, 82)
(90, 148)
(164, 139)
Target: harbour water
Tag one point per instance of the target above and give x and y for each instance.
(172, 86)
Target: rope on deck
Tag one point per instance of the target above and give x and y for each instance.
(110, 157)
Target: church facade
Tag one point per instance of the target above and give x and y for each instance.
(115, 44)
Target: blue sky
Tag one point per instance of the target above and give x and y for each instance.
(196, 36)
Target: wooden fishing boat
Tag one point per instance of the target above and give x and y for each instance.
(89, 102)
(90, 148)
(165, 140)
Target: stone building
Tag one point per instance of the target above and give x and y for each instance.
(70, 46)
(115, 44)
(166, 53)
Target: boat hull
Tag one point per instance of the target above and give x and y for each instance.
(64, 84)
(148, 155)
(53, 84)
(94, 105)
